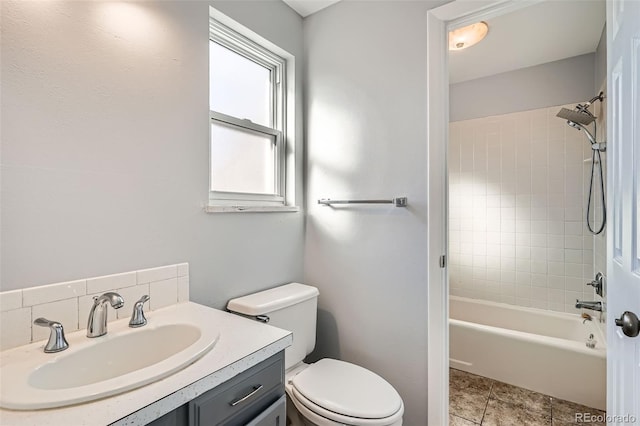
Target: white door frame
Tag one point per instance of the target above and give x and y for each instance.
(439, 22)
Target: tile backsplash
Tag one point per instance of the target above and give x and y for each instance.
(69, 302)
(518, 191)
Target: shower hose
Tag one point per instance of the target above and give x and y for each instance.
(596, 153)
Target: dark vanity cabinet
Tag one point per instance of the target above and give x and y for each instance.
(254, 397)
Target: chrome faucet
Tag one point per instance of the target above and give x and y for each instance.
(594, 306)
(137, 316)
(56, 342)
(97, 324)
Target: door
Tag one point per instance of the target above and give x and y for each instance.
(623, 244)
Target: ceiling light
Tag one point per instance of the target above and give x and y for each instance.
(464, 37)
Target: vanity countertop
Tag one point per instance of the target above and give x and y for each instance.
(243, 343)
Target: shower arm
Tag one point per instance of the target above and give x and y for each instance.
(585, 107)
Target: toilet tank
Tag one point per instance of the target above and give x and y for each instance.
(292, 307)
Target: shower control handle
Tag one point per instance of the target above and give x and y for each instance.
(629, 323)
(597, 283)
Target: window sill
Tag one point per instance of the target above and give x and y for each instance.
(251, 209)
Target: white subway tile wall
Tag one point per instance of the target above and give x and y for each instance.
(518, 186)
(69, 302)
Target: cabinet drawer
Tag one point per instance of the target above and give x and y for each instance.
(242, 398)
(275, 415)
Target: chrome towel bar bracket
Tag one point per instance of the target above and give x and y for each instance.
(398, 201)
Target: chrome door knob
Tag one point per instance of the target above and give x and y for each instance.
(629, 323)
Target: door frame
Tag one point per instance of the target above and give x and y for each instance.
(440, 21)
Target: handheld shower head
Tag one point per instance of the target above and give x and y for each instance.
(579, 126)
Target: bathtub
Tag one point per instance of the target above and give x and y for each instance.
(535, 349)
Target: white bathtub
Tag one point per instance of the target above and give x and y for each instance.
(535, 349)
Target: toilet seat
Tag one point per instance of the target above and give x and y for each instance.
(345, 393)
(320, 416)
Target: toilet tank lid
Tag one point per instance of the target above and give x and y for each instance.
(271, 300)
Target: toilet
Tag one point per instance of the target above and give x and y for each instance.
(328, 392)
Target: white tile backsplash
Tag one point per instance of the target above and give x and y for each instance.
(52, 292)
(108, 282)
(15, 328)
(517, 198)
(183, 287)
(10, 300)
(163, 293)
(157, 274)
(70, 302)
(183, 269)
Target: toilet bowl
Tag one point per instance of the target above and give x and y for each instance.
(328, 392)
(332, 392)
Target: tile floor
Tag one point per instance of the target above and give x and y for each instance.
(477, 400)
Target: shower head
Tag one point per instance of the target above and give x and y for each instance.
(579, 126)
(584, 118)
(580, 114)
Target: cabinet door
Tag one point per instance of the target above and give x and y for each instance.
(275, 415)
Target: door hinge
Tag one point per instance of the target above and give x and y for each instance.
(443, 261)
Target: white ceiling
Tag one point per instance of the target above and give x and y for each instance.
(307, 7)
(545, 32)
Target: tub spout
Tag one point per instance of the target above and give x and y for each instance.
(594, 306)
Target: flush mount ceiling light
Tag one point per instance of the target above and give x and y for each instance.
(464, 37)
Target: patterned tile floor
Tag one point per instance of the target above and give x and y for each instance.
(477, 400)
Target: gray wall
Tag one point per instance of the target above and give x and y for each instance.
(105, 147)
(555, 83)
(365, 112)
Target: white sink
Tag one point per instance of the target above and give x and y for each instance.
(124, 359)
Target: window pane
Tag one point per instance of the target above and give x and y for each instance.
(239, 86)
(242, 160)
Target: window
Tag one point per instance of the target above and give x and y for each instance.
(248, 123)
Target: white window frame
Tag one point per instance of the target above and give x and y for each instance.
(233, 36)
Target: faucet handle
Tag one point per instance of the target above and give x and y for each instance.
(56, 342)
(597, 283)
(137, 316)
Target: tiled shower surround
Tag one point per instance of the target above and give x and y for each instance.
(518, 191)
